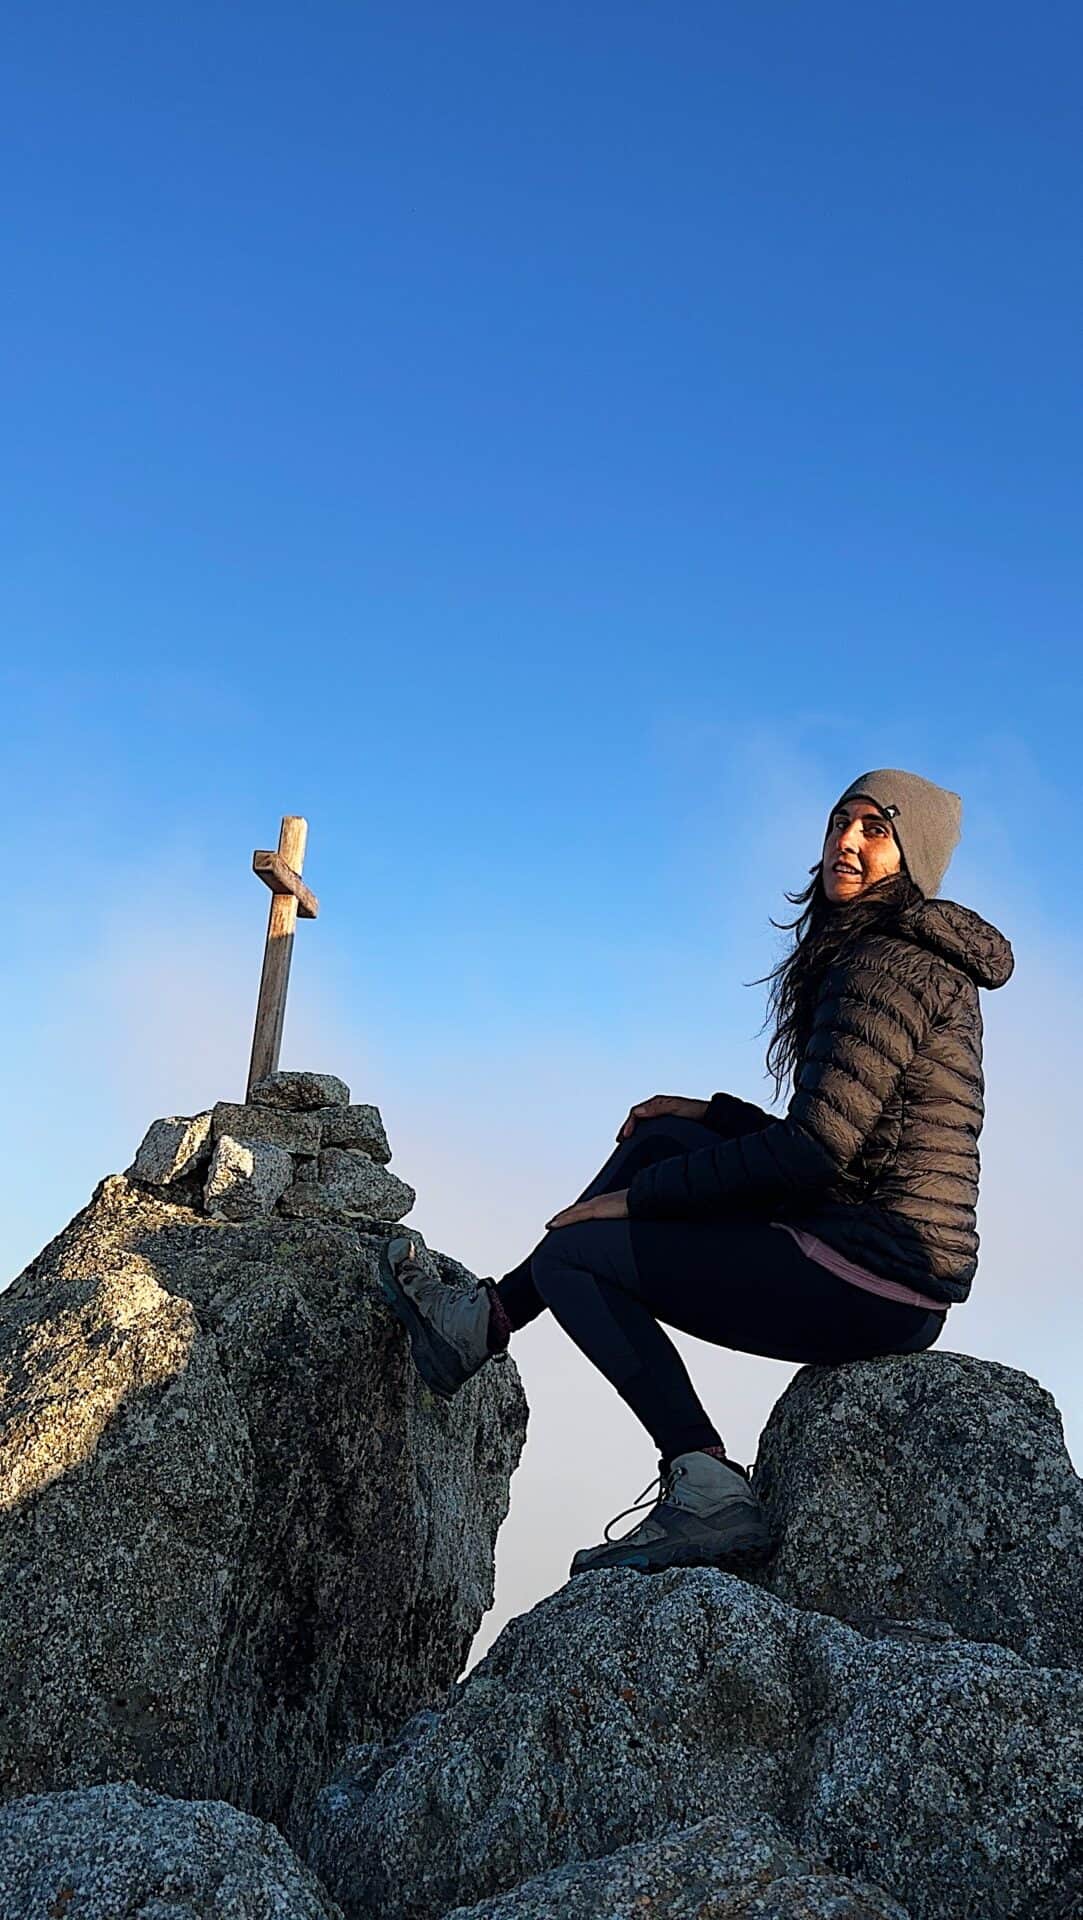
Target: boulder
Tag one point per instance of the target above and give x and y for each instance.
(347, 1185)
(237, 1533)
(302, 1091)
(355, 1127)
(625, 1706)
(293, 1132)
(928, 1485)
(245, 1179)
(173, 1149)
(117, 1850)
(711, 1871)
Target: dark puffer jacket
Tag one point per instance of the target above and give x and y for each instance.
(878, 1150)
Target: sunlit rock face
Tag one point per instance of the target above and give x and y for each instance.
(236, 1531)
(933, 1486)
(103, 1852)
(625, 1707)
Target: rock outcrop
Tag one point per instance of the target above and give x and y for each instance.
(243, 1552)
(113, 1851)
(938, 1490)
(236, 1531)
(625, 1707)
(711, 1871)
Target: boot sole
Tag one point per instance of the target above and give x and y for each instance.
(436, 1361)
(740, 1553)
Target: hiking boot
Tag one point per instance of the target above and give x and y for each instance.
(448, 1325)
(706, 1515)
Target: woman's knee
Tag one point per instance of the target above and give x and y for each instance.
(553, 1258)
(598, 1250)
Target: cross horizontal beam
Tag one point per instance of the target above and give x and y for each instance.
(275, 873)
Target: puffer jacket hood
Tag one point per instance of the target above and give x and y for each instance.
(960, 936)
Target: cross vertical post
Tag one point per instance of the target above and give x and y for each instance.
(281, 872)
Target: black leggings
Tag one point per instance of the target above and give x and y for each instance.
(739, 1284)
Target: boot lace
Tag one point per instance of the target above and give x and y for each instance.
(665, 1482)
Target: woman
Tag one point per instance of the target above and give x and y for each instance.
(843, 1230)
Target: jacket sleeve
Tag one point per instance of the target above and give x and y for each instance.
(868, 1023)
(729, 1116)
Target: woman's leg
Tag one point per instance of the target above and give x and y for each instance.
(610, 1283)
(586, 1276)
(656, 1139)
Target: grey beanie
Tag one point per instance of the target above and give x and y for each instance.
(926, 820)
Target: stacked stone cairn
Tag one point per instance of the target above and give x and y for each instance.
(296, 1147)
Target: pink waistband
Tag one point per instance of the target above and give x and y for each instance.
(838, 1264)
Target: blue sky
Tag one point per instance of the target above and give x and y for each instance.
(554, 449)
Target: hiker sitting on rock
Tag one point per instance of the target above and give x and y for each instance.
(843, 1230)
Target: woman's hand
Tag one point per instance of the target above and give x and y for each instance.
(663, 1103)
(604, 1206)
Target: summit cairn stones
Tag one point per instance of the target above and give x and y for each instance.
(302, 1092)
(357, 1127)
(172, 1149)
(246, 1178)
(348, 1186)
(296, 1147)
(279, 1127)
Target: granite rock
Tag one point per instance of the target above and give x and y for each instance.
(928, 1485)
(237, 1533)
(624, 1706)
(303, 1092)
(173, 1149)
(117, 1850)
(359, 1127)
(348, 1186)
(245, 1178)
(276, 1127)
(715, 1870)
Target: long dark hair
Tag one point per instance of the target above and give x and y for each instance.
(823, 932)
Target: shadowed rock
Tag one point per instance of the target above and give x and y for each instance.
(625, 1705)
(172, 1149)
(346, 1184)
(929, 1486)
(303, 1092)
(236, 1531)
(712, 1871)
(359, 1126)
(114, 1851)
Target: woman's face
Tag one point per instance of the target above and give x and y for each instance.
(860, 849)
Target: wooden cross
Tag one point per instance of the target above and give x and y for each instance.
(289, 897)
